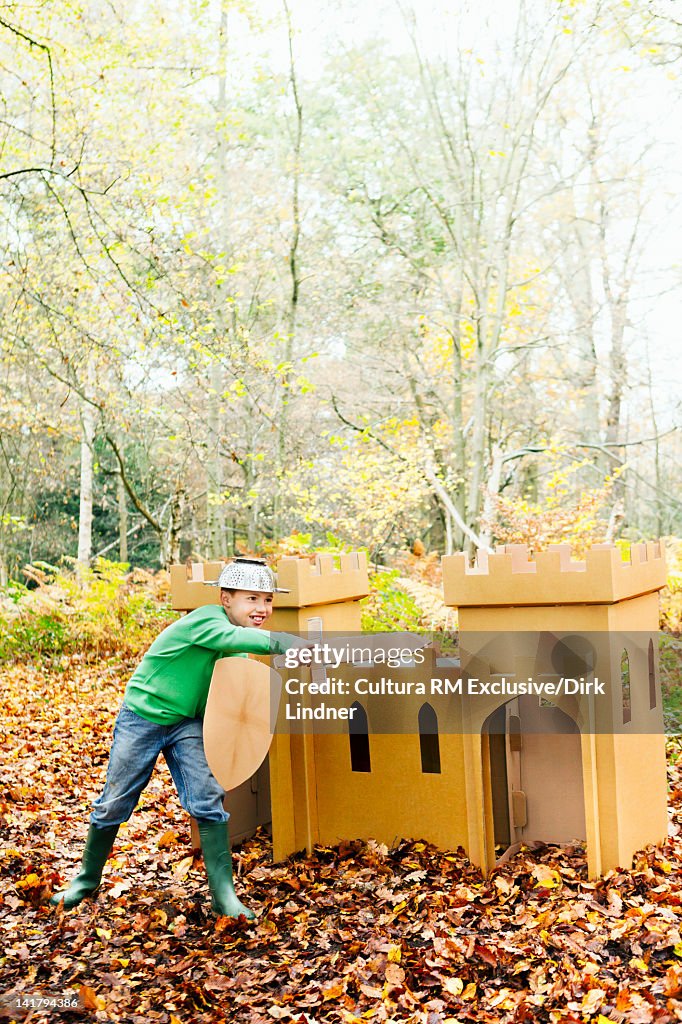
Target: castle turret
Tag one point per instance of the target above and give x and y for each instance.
(585, 765)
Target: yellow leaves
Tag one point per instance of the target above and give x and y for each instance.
(504, 999)
(638, 964)
(395, 952)
(437, 351)
(28, 881)
(601, 1019)
(379, 480)
(169, 838)
(467, 340)
(568, 514)
(332, 992)
(547, 878)
(677, 949)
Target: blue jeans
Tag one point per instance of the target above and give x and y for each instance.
(136, 747)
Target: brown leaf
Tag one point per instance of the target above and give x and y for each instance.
(673, 981)
(371, 992)
(90, 999)
(394, 975)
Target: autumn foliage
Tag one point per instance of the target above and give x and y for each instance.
(356, 932)
(352, 933)
(104, 611)
(577, 516)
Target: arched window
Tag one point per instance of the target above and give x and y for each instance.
(625, 687)
(358, 734)
(652, 676)
(428, 740)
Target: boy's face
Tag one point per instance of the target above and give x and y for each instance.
(247, 607)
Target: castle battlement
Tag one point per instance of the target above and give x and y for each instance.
(321, 582)
(189, 585)
(310, 584)
(511, 577)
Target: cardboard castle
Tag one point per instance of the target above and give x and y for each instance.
(493, 773)
(596, 770)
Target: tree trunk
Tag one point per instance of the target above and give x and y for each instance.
(478, 449)
(657, 451)
(86, 484)
(122, 519)
(215, 509)
(577, 263)
(295, 283)
(492, 490)
(618, 384)
(458, 439)
(617, 372)
(175, 526)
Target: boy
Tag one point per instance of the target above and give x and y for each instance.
(162, 712)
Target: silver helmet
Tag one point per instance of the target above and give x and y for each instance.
(248, 574)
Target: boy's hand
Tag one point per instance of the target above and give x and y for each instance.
(291, 658)
(303, 645)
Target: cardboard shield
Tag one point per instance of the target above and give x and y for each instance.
(237, 722)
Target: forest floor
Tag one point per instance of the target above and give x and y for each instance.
(352, 933)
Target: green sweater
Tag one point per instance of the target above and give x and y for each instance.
(172, 680)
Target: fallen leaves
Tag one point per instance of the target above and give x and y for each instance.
(454, 986)
(90, 999)
(394, 975)
(169, 838)
(353, 933)
(547, 877)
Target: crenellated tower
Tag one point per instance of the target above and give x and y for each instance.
(585, 766)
